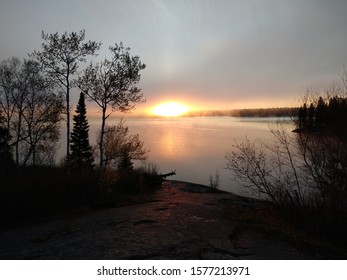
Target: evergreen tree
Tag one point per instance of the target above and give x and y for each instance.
(81, 151)
(302, 117)
(125, 162)
(310, 116)
(321, 114)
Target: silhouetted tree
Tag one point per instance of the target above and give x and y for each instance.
(125, 161)
(6, 159)
(302, 117)
(13, 79)
(41, 117)
(81, 150)
(329, 116)
(112, 85)
(337, 116)
(60, 57)
(310, 116)
(31, 110)
(303, 170)
(321, 113)
(120, 147)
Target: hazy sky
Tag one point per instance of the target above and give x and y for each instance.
(212, 54)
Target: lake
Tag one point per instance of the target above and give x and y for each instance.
(193, 146)
(196, 147)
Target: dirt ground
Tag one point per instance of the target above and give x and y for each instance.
(178, 221)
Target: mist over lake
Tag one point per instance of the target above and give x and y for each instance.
(193, 146)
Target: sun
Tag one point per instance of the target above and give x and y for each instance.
(170, 109)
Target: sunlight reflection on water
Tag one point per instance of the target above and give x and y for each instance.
(196, 147)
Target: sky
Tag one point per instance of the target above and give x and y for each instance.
(208, 54)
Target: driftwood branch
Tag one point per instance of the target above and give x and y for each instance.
(172, 173)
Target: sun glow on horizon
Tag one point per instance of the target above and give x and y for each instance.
(170, 109)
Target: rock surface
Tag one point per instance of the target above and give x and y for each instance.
(178, 221)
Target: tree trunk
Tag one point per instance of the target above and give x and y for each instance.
(18, 131)
(68, 163)
(102, 133)
(34, 156)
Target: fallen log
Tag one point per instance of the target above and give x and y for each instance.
(163, 176)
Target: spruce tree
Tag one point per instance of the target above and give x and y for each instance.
(310, 116)
(125, 162)
(321, 114)
(302, 117)
(81, 150)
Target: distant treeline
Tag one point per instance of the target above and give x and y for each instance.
(260, 113)
(324, 116)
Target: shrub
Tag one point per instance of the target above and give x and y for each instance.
(215, 181)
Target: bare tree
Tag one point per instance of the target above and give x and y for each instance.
(30, 109)
(272, 171)
(13, 82)
(41, 116)
(112, 85)
(248, 162)
(60, 57)
(118, 143)
(6, 159)
(325, 163)
(307, 168)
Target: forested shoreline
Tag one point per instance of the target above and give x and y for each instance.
(246, 113)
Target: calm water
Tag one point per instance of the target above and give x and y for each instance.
(194, 147)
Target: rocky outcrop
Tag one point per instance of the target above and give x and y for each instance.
(179, 221)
